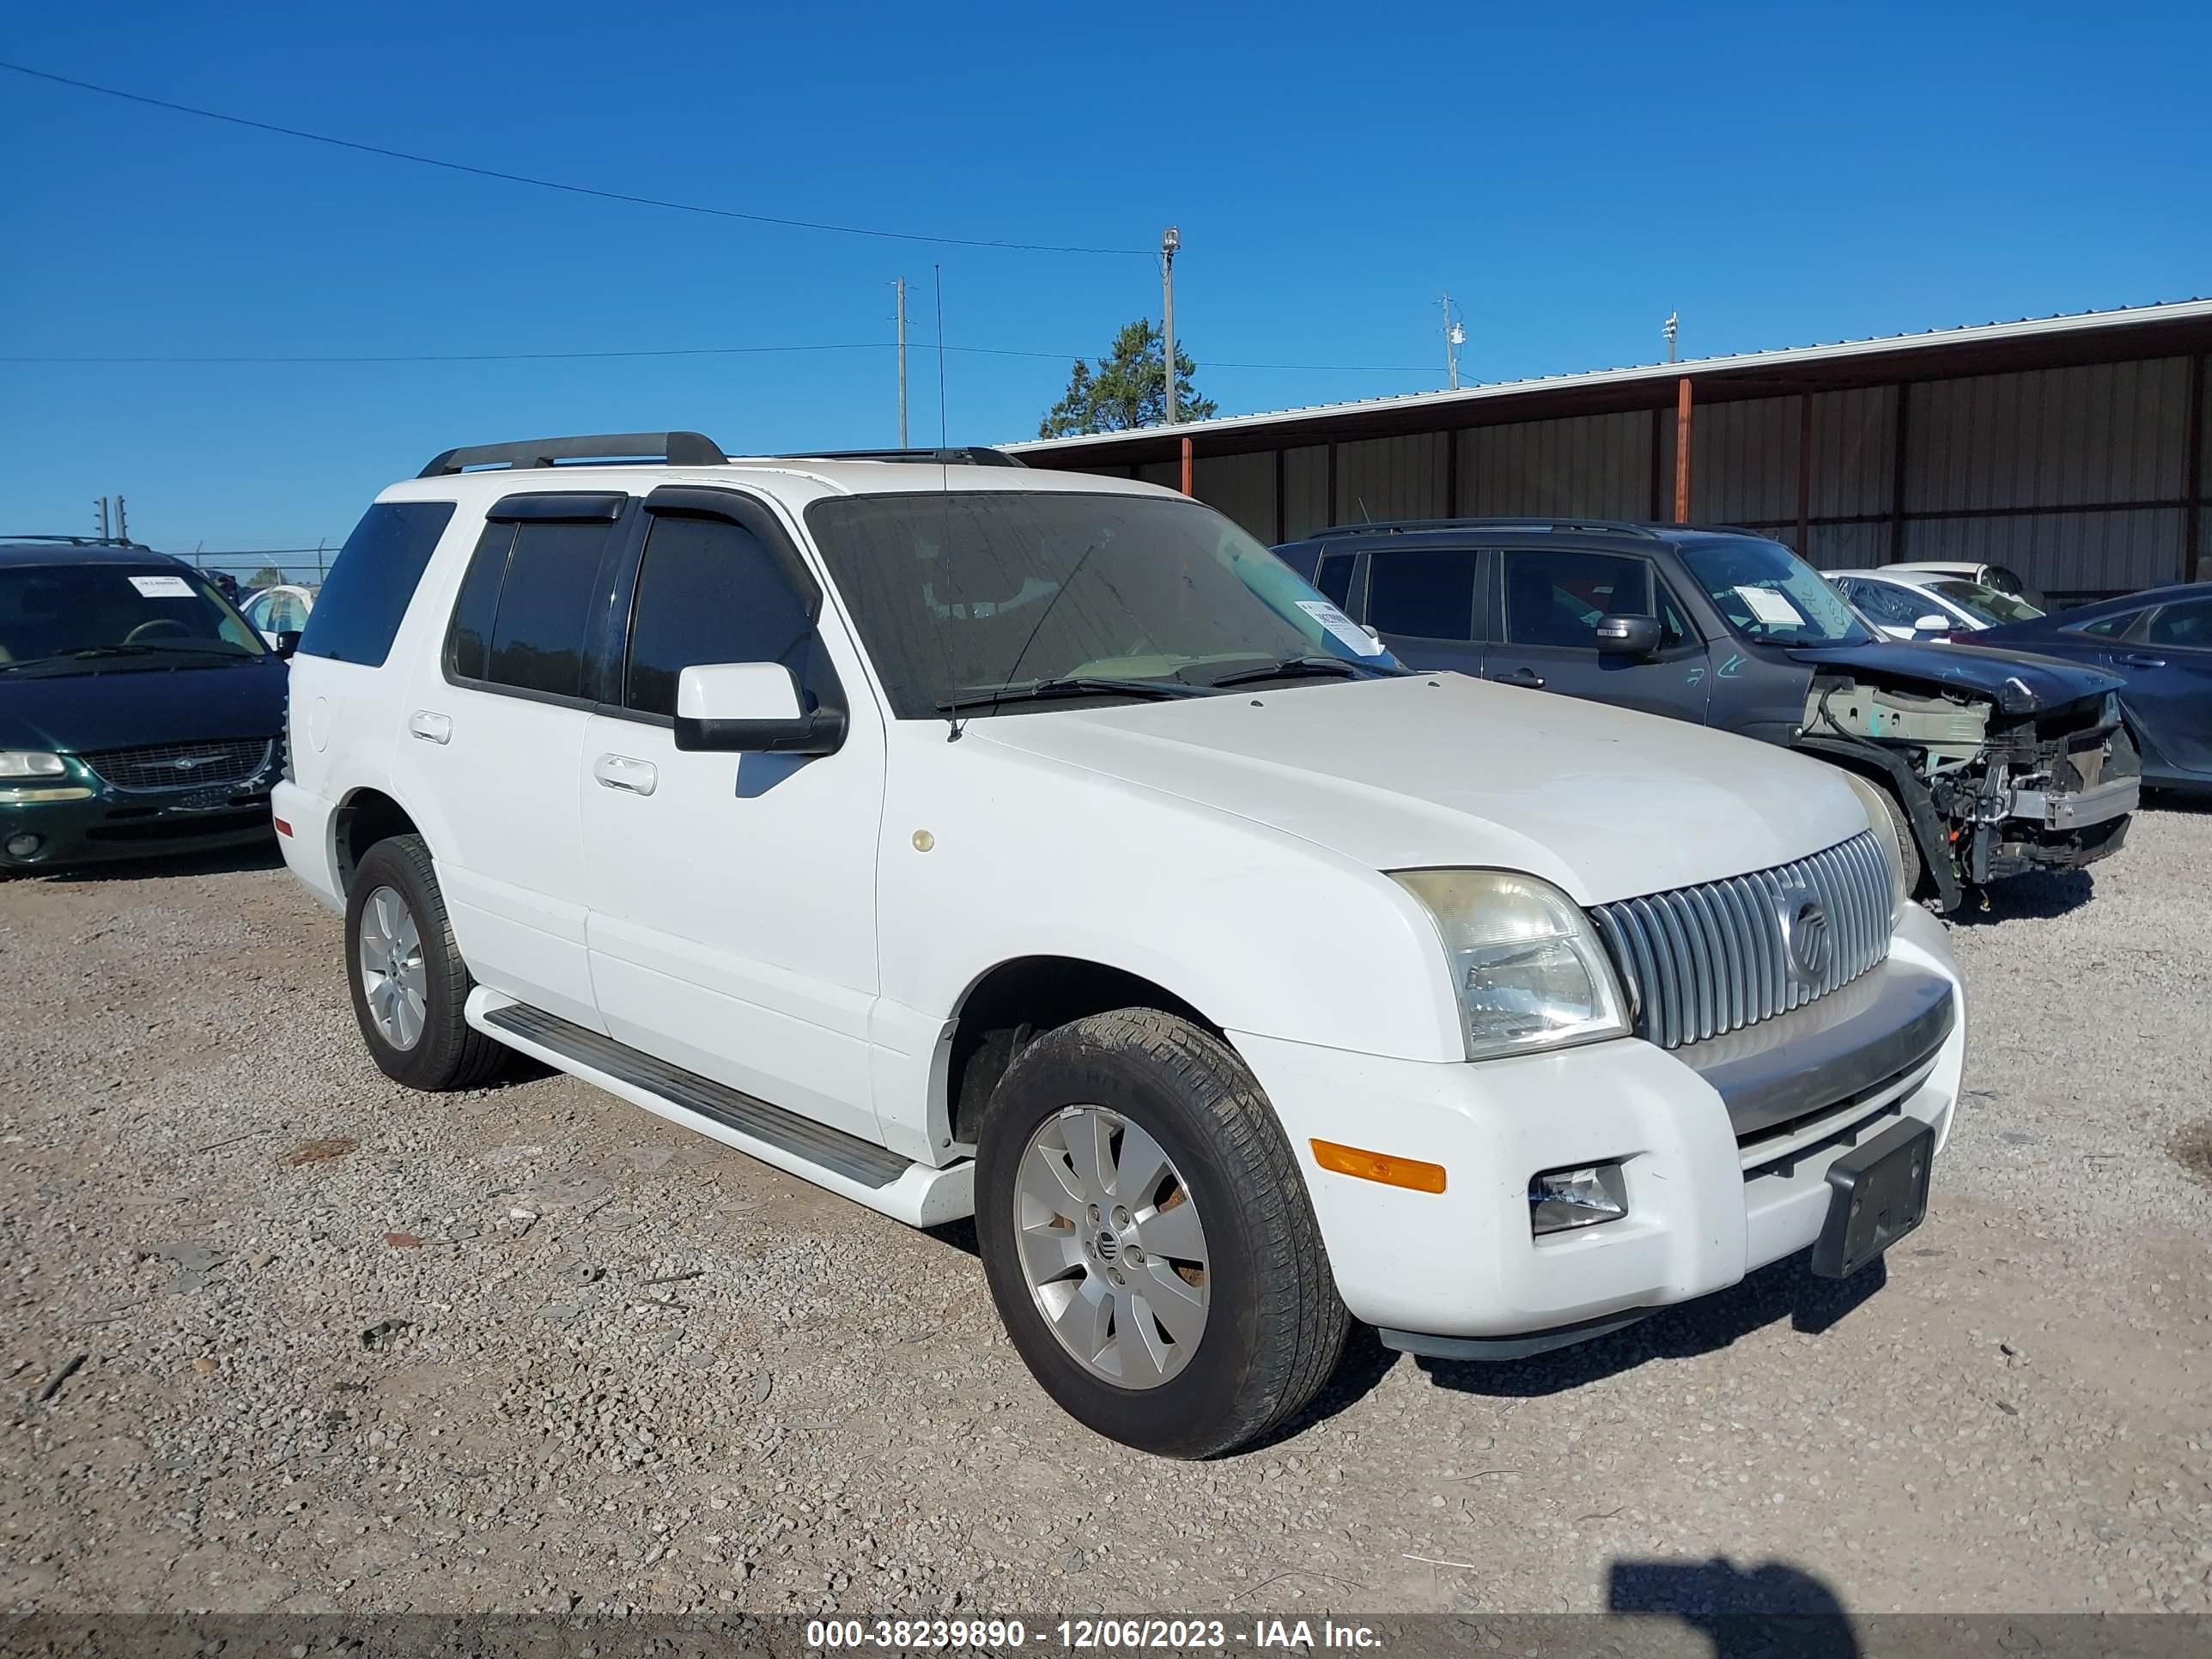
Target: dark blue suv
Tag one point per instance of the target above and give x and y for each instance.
(1994, 762)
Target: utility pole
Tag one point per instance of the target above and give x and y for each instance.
(1670, 328)
(901, 286)
(1170, 240)
(122, 521)
(1455, 338)
(100, 516)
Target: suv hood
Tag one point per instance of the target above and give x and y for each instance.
(2018, 682)
(1441, 770)
(88, 712)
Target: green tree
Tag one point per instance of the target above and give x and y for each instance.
(1125, 389)
(268, 576)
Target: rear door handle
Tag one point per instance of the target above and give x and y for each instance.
(1527, 678)
(431, 728)
(631, 776)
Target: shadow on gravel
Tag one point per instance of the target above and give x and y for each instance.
(230, 860)
(2039, 895)
(1784, 1290)
(1769, 1609)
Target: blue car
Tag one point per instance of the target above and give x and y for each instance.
(2161, 640)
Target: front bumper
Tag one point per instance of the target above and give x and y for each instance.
(117, 824)
(1725, 1151)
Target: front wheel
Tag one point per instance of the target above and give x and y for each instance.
(409, 983)
(1148, 1238)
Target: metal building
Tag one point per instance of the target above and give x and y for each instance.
(2075, 449)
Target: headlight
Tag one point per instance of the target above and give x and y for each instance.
(30, 763)
(1525, 964)
(1884, 824)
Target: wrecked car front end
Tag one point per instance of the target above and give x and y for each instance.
(2005, 762)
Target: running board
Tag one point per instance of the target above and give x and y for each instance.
(844, 1164)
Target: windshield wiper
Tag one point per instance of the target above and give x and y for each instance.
(1071, 685)
(1289, 668)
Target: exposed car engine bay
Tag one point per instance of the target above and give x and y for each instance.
(1989, 791)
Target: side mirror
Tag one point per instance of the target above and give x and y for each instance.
(287, 644)
(1931, 623)
(1633, 637)
(751, 709)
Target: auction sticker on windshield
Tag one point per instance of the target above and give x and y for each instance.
(1348, 631)
(163, 587)
(1770, 606)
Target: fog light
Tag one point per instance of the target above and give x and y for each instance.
(1560, 1200)
(21, 846)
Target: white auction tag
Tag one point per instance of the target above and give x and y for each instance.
(163, 587)
(1342, 626)
(1770, 606)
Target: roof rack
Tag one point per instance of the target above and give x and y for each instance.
(676, 448)
(965, 455)
(1557, 527)
(81, 541)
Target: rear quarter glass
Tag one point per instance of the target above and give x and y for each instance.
(358, 612)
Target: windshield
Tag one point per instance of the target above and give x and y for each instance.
(961, 594)
(88, 617)
(1768, 594)
(1986, 603)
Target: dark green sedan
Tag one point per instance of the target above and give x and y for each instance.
(139, 713)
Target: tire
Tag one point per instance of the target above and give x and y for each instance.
(430, 1046)
(1916, 864)
(1271, 1325)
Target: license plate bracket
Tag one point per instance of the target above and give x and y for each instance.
(1878, 1194)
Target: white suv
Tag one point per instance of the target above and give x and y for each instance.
(969, 839)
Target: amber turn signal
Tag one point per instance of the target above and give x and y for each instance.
(1408, 1172)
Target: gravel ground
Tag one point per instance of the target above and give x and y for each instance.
(279, 1335)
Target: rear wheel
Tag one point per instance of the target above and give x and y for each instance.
(1148, 1238)
(409, 985)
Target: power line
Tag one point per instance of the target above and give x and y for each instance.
(670, 351)
(556, 184)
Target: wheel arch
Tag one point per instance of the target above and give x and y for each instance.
(366, 817)
(1007, 1005)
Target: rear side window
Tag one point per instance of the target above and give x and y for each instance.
(523, 619)
(1428, 592)
(2188, 625)
(357, 614)
(708, 592)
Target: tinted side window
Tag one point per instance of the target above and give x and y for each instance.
(543, 615)
(2188, 625)
(468, 645)
(1555, 599)
(708, 592)
(2111, 627)
(1428, 592)
(357, 613)
(1336, 579)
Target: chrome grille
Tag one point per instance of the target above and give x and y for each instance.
(166, 766)
(1700, 960)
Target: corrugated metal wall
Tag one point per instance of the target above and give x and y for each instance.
(2075, 476)
(1593, 465)
(1305, 491)
(1379, 478)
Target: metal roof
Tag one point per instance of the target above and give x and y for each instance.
(1639, 385)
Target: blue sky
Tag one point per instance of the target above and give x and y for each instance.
(1779, 175)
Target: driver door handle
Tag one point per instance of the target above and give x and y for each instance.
(2139, 660)
(631, 776)
(1527, 678)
